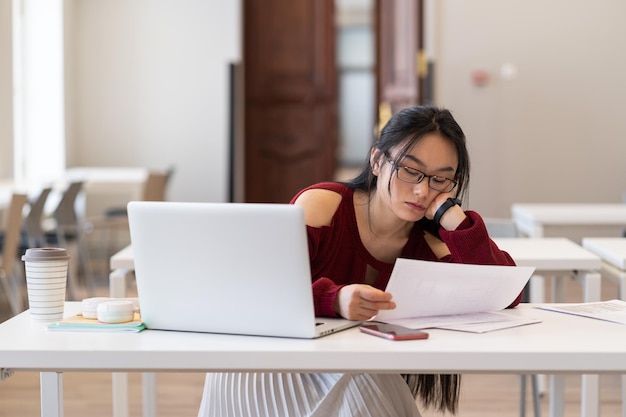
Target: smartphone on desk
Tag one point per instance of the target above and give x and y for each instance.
(393, 331)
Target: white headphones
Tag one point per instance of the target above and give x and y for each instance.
(110, 310)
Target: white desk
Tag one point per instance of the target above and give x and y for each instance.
(613, 254)
(560, 258)
(569, 219)
(553, 256)
(553, 346)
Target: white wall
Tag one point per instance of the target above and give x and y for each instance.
(6, 91)
(555, 132)
(147, 85)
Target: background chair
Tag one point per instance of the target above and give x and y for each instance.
(113, 227)
(505, 228)
(497, 227)
(68, 234)
(34, 234)
(9, 274)
(154, 189)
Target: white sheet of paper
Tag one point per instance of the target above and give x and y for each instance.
(423, 288)
(611, 310)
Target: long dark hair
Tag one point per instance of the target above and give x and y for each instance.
(404, 130)
(408, 127)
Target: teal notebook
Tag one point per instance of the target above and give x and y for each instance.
(78, 323)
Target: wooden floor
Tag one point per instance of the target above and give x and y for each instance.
(89, 394)
(179, 394)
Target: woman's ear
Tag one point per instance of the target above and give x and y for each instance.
(375, 161)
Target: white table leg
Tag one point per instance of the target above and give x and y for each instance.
(51, 386)
(559, 288)
(590, 396)
(537, 289)
(557, 397)
(591, 283)
(119, 381)
(623, 395)
(117, 282)
(149, 397)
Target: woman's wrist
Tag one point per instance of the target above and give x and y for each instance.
(450, 214)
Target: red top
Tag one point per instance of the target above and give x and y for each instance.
(338, 256)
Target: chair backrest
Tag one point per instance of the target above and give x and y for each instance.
(497, 227)
(34, 227)
(12, 232)
(65, 213)
(156, 185)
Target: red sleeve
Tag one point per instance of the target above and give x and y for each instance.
(324, 295)
(470, 244)
(324, 289)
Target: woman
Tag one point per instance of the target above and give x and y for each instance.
(403, 204)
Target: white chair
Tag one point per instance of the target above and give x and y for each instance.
(497, 227)
(9, 274)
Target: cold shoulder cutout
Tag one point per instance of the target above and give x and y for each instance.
(319, 206)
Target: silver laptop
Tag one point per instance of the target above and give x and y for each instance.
(225, 268)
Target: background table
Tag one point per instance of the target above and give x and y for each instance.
(613, 254)
(103, 187)
(548, 255)
(106, 187)
(560, 259)
(571, 220)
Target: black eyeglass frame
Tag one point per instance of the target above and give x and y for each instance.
(396, 167)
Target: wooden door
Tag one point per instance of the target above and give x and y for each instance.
(290, 97)
(400, 67)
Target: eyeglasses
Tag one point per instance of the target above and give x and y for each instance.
(415, 176)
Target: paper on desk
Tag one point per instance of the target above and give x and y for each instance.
(472, 322)
(612, 310)
(426, 289)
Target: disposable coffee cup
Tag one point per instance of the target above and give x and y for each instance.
(46, 280)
